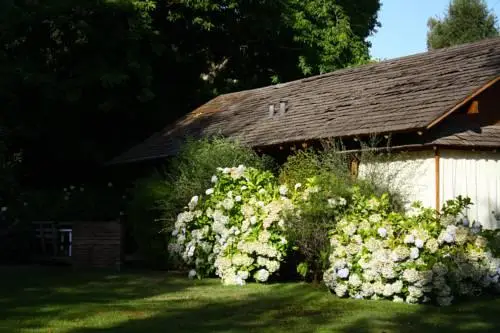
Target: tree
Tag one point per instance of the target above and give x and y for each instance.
(466, 21)
(83, 80)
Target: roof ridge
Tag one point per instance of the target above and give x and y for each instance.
(365, 66)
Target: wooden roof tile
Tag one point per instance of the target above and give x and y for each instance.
(395, 95)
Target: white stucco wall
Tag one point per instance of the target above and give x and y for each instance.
(411, 173)
(466, 173)
(476, 175)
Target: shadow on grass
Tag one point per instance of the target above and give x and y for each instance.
(473, 315)
(299, 308)
(31, 295)
(276, 308)
(61, 301)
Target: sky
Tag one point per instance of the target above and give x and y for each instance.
(404, 26)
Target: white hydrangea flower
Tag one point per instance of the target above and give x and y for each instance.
(415, 292)
(283, 190)
(387, 271)
(350, 229)
(227, 203)
(297, 186)
(192, 274)
(367, 289)
(352, 249)
(448, 238)
(237, 172)
(341, 290)
(193, 202)
(400, 253)
(411, 300)
(370, 275)
(343, 273)
(410, 275)
(388, 291)
(414, 253)
(397, 299)
(214, 179)
(364, 225)
(355, 280)
(419, 243)
(397, 287)
(378, 287)
(409, 239)
(462, 235)
(243, 274)
(209, 191)
(432, 245)
(357, 239)
(262, 275)
(264, 236)
(382, 232)
(373, 244)
(375, 218)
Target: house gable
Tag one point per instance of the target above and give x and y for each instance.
(476, 124)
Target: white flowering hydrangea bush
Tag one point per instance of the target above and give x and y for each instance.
(235, 229)
(413, 257)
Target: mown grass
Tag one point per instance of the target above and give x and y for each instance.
(58, 300)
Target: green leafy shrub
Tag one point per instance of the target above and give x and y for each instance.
(416, 257)
(318, 203)
(493, 237)
(158, 199)
(330, 164)
(190, 171)
(235, 229)
(328, 173)
(144, 219)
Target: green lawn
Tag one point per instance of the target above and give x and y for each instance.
(57, 300)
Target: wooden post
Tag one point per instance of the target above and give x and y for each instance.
(354, 166)
(438, 182)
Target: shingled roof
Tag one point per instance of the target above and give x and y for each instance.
(404, 94)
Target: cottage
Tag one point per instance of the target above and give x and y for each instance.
(440, 107)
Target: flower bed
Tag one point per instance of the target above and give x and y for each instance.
(415, 258)
(236, 229)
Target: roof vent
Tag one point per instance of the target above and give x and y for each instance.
(271, 110)
(283, 107)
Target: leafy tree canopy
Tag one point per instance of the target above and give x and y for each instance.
(83, 80)
(465, 21)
